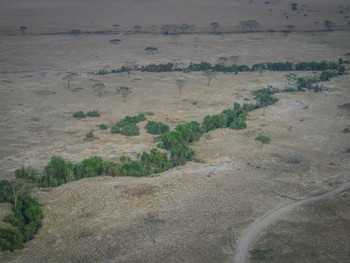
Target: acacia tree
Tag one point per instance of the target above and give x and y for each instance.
(248, 25)
(210, 75)
(69, 78)
(98, 88)
(290, 27)
(154, 29)
(124, 92)
(184, 27)
(151, 50)
(329, 24)
(115, 27)
(214, 25)
(23, 29)
(180, 84)
(137, 28)
(130, 66)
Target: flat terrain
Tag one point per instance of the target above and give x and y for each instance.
(182, 215)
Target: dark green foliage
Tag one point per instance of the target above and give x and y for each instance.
(212, 122)
(190, 131)
(26, 217)
(79, 115)
(130, 129)
(327, 75)
(93, 113)
(265, 97)
(94, 166)
(89, 135)
(263, 139)
(168, 67)
(220, 67)
(27, 174)
(180, 154)
(103, 126)
(155, 128)
(10, 239)
(127, 126)
(58, 171)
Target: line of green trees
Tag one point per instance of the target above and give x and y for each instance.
(221, 67)
(26, 218)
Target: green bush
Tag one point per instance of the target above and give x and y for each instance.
(130, 129)
(57, 172)
(93, 113)
(127, 126)
(156, 128)
(79, 115)
(263, 139)
(327, 75)
(89, 135)
(103, 126)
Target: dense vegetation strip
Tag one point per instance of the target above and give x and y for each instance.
(222, 67)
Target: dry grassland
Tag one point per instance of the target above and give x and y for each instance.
(182, 215)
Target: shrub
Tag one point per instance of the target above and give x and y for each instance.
(103, 126)
(130, 129)
(127, 126)
(155, 128)
(93, 113)
(263, 139)
(79, 115)
(89, 135)
(327, 75)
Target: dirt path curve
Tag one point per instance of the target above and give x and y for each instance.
(272, 216)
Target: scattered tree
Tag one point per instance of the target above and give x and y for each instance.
(210, 74)
(137, 28)
(248, 26)
(154, 29)
(98, 88)
(124, 92)
(214, 25)
(115, 41)
(290, 27)
(130, 66)
(69, 78)
(89, 135)
(329, 25)
(23, 29)
(184, 27)
(151, 49)
(180, 84)
(115, 28)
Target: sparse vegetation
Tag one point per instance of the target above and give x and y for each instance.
(93, 113)
(79, 115)
(263, 139)
(89, 135)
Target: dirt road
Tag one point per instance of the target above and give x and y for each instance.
(272, 216)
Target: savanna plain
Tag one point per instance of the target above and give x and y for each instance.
(199, 211)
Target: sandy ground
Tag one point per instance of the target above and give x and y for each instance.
(182, 215)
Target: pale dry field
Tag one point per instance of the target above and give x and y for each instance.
(187, 214)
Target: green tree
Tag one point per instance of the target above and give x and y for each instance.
(180, 84)
(99, 88)
(69, 77)
(210, 74)
(124, 92)
(151, 50)
(214, 25)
